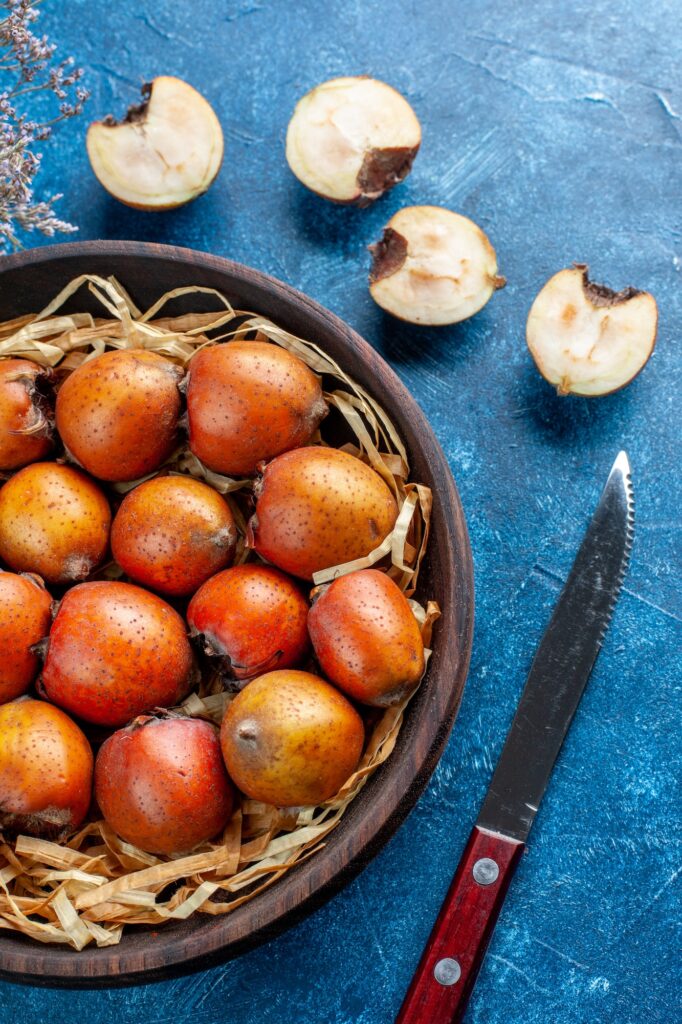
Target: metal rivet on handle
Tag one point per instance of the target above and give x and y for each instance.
(447, 971)
(485, 871)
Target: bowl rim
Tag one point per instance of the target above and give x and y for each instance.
(313, 882)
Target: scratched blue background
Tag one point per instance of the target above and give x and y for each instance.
(561, 134)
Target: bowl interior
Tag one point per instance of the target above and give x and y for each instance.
(27, 282)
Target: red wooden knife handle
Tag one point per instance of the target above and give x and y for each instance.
(460, 936)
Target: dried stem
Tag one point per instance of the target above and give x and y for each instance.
(30, 58)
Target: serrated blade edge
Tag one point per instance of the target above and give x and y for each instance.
(564, 660)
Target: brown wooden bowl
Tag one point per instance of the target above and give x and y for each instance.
(27, 281)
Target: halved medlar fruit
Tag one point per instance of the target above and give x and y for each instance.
(352, 139)
(433, 266)
(165, 152)
(587, 339)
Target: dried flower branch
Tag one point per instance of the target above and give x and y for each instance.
(28, 59)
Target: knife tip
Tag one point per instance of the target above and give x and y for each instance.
(622, 464)
(621, 468)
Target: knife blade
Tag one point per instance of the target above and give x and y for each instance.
(447, 972)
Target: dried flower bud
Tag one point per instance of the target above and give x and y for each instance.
(352, 139)
(166, 152)
(433, 267)
(587, 339)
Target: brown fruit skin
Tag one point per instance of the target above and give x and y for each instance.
(19, 411)
(45, 770)
(319, 507)
(366, 638)
(291, 739)
(116, 651)
(248, 401)
(253, 617)
(161, 784)
(25, 617)
(118, 414)
(172, 533)
(53, 521)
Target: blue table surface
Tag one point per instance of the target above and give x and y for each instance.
(558, 128)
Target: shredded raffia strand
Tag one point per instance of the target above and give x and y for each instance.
(87, 890)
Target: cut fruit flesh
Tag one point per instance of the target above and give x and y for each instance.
(165, 153)
(587, 339)
(352, 139)
(433, 267)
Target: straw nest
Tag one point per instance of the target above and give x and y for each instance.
(89, 888)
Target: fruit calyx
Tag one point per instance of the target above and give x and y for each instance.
(39, 389)
(601, 294)
(381, 170)
(53, 823)
(136, 111)
(388, 254)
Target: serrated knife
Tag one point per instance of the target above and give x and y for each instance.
(444, 980)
